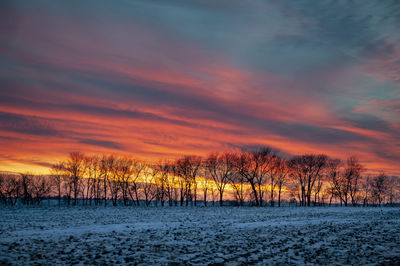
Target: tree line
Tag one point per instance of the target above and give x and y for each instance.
(259, 177)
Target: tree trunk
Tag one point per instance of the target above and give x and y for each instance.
(272, 194)
(105, 192)
(279, 196)
(205, 197)
(253, 187)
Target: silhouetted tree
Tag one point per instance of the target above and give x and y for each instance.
(40, 188)
(57, 172)
(205, 186)
(26, 182)
(74, 167)
(393, 187)
(180, 181)
(366, 186)
(220, 167)
(137, 170)
(3, 194)
(124, 170)
(114, 181)
(249, 174)
(93, 173)
(237, 182)
(10, 188)
(171, 182)
(379, 187)
(162, 182)
(106, 166)
(307, 169)
(333, 171)
(148, 185)
(277, 174)
(352, 174)
(282, 172)
(254, 167)
(187, 168)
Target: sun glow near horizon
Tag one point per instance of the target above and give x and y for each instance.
(104, 78)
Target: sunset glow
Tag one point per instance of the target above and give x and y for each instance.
(157, 80)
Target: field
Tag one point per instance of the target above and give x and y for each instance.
(170, 235)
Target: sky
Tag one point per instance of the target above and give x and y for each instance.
(159, 79)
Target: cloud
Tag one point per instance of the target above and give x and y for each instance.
(385, 109)
(26, 125)
(102, 143)
(157, 79)
(26, 161)
(385, 62)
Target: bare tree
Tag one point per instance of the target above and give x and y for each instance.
(393, 186)
(352, 174)
(124, 171)
(213, 196)
(366, 186)
(379, 187)
(320, 180)
(187, 168)
(40, 188)
(57, 172)
(34, 188)
(250, 174)
(74, 167)
(307, 169)
(3, 194)
(10, 188)
(264, 157)
(92, 166)
(167, 168)
(282, 172)
(148, 185)
(179, 180)
(254, 167)
(277, 174)
(106, 164)
(162, 183)
(205, 183)
(114, 180)
(137, 170)
(220, 168)
(237, 182)
(345, 179)
(26, 182)
(67, 187)
(333, 171)
(88, 185)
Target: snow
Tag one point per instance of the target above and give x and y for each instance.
(230, 235)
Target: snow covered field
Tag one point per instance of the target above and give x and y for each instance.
(230, 235)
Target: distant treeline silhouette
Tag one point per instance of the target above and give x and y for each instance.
(259, 177)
